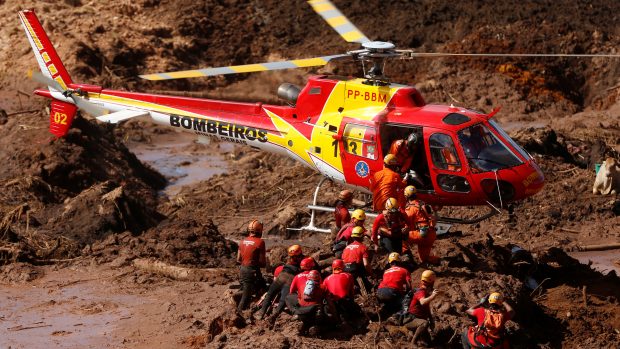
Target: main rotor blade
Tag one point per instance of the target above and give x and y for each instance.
(247, 68)
(412, 54)
(338, 21)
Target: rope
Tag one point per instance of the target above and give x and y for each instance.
(499, 192)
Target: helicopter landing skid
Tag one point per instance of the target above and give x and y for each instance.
(311, 226)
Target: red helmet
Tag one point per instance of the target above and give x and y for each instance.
(337, 266)
(307, 263)
(314, 275)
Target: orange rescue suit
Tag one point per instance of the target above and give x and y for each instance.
(416, 218)
(399, 149)
(386, 184)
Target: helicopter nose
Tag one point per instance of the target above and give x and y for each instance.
(534, 179)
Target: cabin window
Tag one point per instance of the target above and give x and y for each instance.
(315, 91)
(360, 140)
(443, 152)
(455, 184)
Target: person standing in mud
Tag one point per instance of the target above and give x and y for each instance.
(341, 211)
(389, 228)
(387, 183)
(282, 279)
(252, 257)
(422, 226)
(491, 315)
(419, 318)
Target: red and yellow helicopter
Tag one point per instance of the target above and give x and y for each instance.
(341, 127)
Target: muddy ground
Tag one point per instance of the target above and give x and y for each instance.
(78, 214)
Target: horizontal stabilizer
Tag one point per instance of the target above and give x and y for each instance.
(122, 115)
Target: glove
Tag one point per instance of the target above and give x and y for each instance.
(423, 231)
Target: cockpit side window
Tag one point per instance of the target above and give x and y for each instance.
(484, 150)
(443, 152)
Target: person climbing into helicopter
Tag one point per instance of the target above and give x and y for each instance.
(356, 259)
(251, 256)
(395, 284)
(389, 227)
(404, 150)
(387, 183)
(341, 211)
(418, 318)
(358, 218)
(282, 279)
(491, 314)
(421, 223)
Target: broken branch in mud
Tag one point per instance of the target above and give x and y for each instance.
(174, 272)
(21, 328)
(602, 247)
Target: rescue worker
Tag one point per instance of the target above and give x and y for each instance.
(358, 218)
(251, 255)
(395, 284)
(355, 257)
(282, 279)
(491, 314)
(306, 299)
(389, 227)
(421, 223)
(419, 317)
(341, 211)
(403, 150)
(339, 289)
(387, 183)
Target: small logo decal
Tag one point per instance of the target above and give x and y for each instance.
(361, 168)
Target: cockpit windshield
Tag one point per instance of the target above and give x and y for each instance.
(484, 151)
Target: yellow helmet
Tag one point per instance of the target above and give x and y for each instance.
(357, 232)
(359, 214)
(345, 195)
(496, 298)
(390, 160)
(410, 191)
(393, 257)
(428, 276)
(391, 204)
(294, 250)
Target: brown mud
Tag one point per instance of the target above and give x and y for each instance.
(76, 212)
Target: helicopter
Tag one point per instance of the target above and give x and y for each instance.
(342, 127)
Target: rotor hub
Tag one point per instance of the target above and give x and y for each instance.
(379, 46)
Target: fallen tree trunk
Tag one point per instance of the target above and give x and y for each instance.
(175, 272)
(602, 247)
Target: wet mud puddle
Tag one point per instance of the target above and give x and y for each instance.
(54, 314)
(603, 261)
(183, 158)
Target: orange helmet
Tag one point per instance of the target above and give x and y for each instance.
(345, 195)
(391, 205)
(255, 227)
(294, 250)
(337, 266)
(307, 263)
(390, 160)
(428, 276)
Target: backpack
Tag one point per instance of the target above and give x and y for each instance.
(311, 289)
(492, 327)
